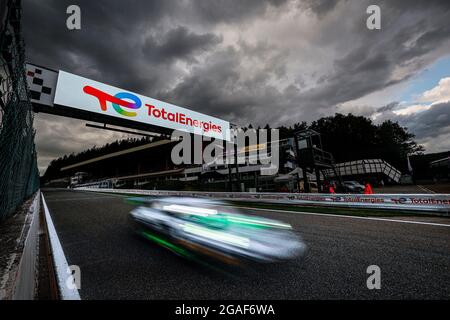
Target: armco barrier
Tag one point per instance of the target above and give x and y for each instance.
(426, 203)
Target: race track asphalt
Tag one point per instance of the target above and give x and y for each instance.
(115, 264)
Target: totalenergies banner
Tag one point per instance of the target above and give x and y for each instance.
(433, 203)
(89, 95)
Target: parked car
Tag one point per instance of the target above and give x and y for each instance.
(353, 186)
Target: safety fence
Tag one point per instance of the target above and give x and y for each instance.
(19, 176)
(437, 203)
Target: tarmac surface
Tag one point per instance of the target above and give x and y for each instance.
(414, 258)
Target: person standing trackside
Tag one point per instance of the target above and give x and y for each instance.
(332, 189)
(368, 188)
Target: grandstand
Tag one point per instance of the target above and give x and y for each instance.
(149, 166)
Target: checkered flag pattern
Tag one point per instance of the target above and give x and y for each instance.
(42, 84)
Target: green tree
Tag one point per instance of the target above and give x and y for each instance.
(349, 137)
(394, 143)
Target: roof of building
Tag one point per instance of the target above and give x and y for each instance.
(118, 153)
(440, 162)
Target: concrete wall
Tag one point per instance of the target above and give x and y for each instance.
(19, 268)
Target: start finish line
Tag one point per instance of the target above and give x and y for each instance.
(67, 94)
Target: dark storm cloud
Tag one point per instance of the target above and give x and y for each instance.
(105, 47)
(112, 45)
(217, 88)
(178, 43)
(411, 5)
(182, 52)
(431, 126)
(430, 123)
(370, 66)
(319, 7)
(220, 11)
(204, 88)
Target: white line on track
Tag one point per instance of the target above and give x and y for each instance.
(351, 217)
(425, 189)
(61, 265)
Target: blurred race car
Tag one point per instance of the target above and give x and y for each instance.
(211, 228)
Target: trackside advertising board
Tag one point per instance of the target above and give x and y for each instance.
(434, 203)
(81, 93)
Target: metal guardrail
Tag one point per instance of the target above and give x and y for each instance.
(435, 203)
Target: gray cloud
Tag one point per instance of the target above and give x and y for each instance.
(319, 7)
(178, 43)
(389, 107)
(369, 66)
(431, 127)
(430, 123)
(230, 10)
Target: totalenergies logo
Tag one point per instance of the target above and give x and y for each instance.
(116, 100)
(161, 113)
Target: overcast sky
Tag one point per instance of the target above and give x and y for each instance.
(255, 61)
